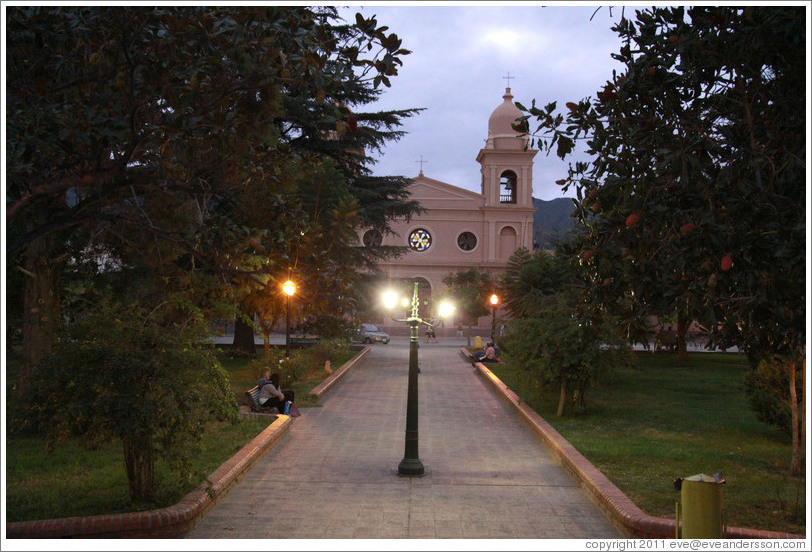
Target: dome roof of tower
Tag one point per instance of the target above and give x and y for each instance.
(500, 125)
(504, 116)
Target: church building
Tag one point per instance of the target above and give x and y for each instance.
(461, 229)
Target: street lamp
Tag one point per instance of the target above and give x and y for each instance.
(494, 303)
(411, 464)
(289, 288)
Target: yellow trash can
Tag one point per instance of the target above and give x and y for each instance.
(701, 498)
(477, 342)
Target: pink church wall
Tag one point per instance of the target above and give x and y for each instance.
(500, 228)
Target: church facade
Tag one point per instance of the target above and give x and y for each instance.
(461, 229)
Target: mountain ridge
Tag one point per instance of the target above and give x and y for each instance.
(551, 221)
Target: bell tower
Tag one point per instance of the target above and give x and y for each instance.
(506, 163)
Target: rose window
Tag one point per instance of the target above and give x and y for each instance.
(420, 239)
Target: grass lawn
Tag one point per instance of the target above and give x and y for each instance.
(664, 419)
(70, 480)
(44, 482)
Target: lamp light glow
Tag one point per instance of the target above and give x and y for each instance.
(445, 309)
(390, 299)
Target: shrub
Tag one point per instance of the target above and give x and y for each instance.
(326, 349)
(559, 349)
(304, 363)
(767, 388)
(291, 370)
(122, 373)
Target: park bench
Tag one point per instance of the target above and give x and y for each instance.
(253, 396)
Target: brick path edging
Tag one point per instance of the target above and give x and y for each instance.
(624, 514)
(321, 389)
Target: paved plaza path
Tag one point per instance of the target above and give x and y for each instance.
(334, 475)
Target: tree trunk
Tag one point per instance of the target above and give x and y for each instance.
(266, 344)
(266, 325)
(562, 398)
(139, 459)
(41, 309)
(243, 343)
(682, 330)
(795, 467)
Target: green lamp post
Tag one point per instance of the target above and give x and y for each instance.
(411, 464)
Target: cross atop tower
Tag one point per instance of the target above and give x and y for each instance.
(508, 78)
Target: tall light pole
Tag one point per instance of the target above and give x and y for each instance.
(289, 288)
(494, 303)
(411, 464)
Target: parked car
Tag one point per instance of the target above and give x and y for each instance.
(370, 333)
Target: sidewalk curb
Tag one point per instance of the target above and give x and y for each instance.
(624, 514)
(321, 389)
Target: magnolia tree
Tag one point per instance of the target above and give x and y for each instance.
(694, 202)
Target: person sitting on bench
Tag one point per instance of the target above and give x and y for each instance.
(271, 395)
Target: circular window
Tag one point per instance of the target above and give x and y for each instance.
(420, 239)
(372, 238)
(466, 241)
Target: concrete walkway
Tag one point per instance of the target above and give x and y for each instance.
(334, 475)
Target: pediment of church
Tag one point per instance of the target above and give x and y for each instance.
(440, 194)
